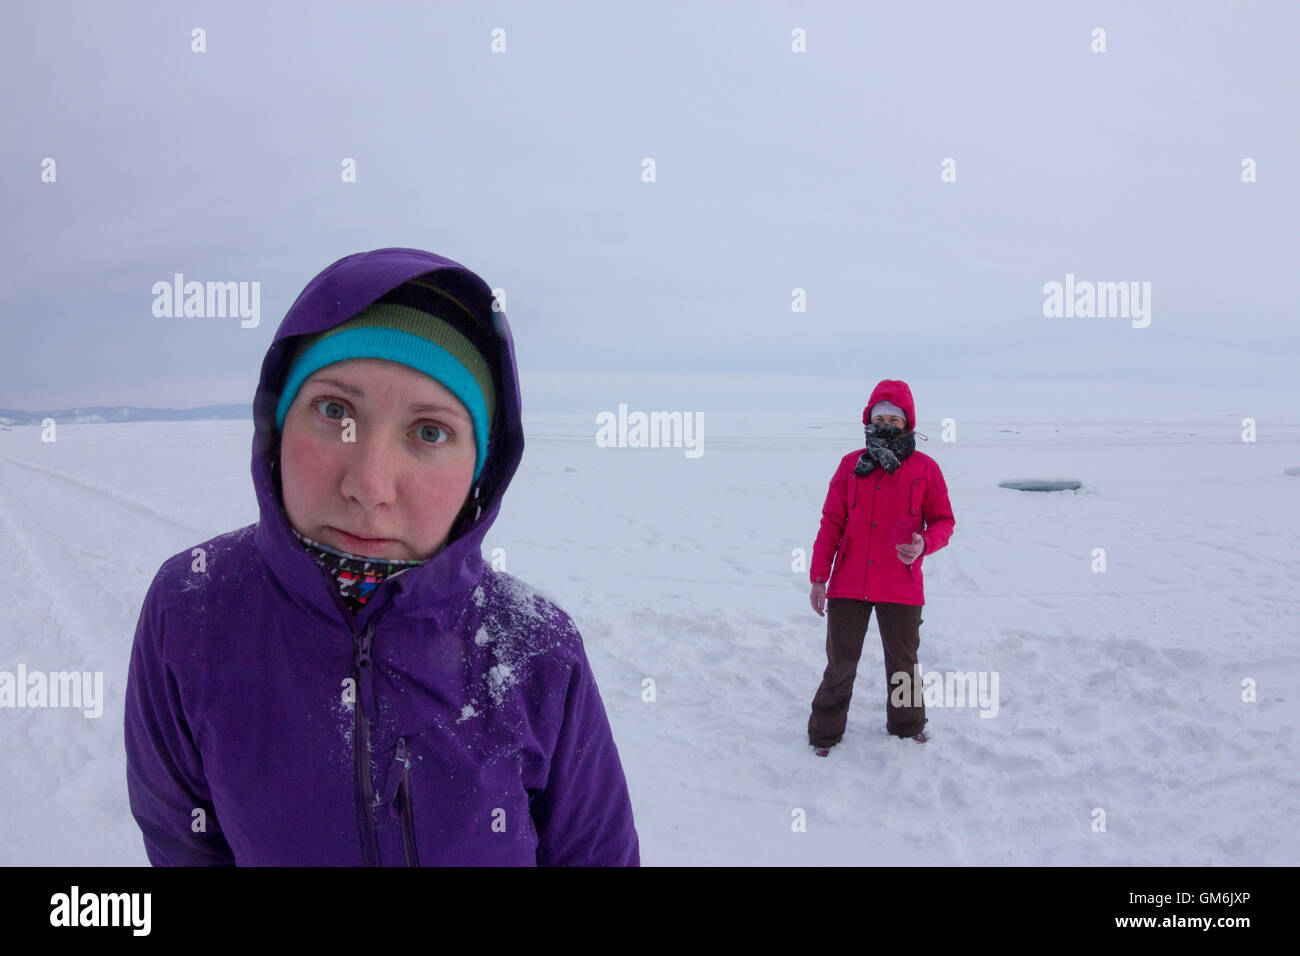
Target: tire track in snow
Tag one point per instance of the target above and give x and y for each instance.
(107, 491)
(87, 532)
(36, 618)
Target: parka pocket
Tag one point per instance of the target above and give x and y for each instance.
(916, 502)
(842, 552)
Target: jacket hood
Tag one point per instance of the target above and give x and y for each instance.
(896, 391)
(335, 295)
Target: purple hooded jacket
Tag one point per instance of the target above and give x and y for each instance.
(454, 721)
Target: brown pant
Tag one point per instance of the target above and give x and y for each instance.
(846, 627)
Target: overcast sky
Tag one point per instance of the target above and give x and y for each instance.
(775, 170)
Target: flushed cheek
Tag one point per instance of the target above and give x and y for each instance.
(309, 471)
(443, 500)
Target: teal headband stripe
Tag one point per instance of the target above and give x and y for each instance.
(403, 347)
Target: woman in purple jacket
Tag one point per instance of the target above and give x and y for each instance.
(346, 682)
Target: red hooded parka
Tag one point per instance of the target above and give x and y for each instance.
(866, 516)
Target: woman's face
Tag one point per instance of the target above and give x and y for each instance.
(400, 474)
(898, 421)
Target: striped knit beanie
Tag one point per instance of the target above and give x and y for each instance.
(418, 325)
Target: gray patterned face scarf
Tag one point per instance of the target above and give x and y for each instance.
(887, 446)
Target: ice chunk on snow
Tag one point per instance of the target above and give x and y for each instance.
(1041, 484)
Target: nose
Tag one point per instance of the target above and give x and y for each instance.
(369, 474)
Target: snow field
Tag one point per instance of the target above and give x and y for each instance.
(1119, 691)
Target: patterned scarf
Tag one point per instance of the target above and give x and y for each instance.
(356, 575)
(887, 446)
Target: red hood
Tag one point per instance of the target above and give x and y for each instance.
(896, 391)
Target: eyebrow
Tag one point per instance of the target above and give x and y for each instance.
(355, 392)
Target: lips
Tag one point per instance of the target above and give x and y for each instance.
(361, 540)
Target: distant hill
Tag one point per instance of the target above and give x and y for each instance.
(106, 414)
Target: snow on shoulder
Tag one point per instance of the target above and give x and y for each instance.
(210, 578)
(218, 558)
(509, 603)
(519, 622)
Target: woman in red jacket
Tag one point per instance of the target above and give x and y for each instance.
(887, 505)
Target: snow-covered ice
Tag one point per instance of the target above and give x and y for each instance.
(1119, 690)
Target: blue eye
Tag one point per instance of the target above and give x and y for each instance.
(329, 401)
(426, 429)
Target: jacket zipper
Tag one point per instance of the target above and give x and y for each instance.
(365, 790)
(866, 568)
(406, 806)
(361, 747)
(362, 641)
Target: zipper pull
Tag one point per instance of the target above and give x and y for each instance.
(401, 765)
(365, 672)
(363, 645)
